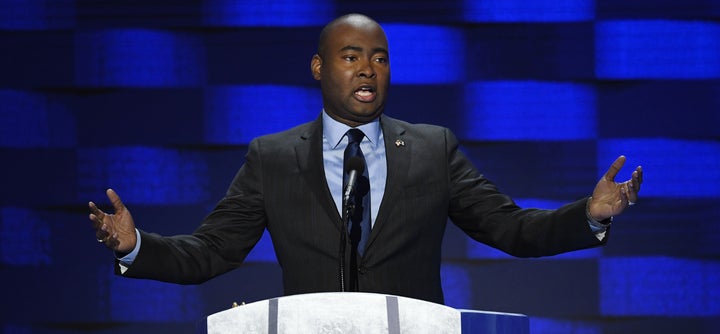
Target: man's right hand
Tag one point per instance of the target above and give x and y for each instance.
(116, 231)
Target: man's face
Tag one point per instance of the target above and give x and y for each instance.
(354, 72)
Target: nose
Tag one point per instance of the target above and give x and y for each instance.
(366, 69)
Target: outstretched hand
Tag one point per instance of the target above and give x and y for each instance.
(609, 197)
(116, 231)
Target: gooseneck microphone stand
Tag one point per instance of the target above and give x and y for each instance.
(348, 209)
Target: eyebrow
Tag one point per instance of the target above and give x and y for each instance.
(359, 49)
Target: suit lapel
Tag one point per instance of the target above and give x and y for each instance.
(397, 154)
(309, 154)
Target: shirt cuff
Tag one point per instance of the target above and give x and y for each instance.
(127, 260)
(599, 228)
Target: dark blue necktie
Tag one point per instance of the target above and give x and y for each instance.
(360, 220)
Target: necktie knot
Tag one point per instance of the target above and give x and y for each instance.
(355, 136)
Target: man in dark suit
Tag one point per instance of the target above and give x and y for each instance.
(292, 185)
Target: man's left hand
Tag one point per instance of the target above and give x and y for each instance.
(609, 197)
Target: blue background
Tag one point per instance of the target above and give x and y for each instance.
(159, 100)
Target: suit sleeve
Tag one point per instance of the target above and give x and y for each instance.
(493, 218)
(219, 244)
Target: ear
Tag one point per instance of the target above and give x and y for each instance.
(316, 66)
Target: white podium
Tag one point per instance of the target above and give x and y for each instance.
(354, 312)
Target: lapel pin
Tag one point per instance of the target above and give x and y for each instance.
(399, 143)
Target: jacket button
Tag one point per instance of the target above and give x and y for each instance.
(362, 270)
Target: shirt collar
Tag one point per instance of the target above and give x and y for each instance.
(334, 131)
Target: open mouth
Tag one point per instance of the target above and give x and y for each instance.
(365, 93)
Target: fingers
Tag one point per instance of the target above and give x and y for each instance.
(102, 222)
(94, 210)
(115, 200)
(614, 168)
(96, 215)
(625, 192)
(102, 235)
(638, 175)
(103, 232)
(112, 241)
(634, 183)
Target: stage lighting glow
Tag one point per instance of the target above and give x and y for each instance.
(657, 49)
(237, 114)
(529, 110)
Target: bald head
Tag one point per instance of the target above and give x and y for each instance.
(358, 21)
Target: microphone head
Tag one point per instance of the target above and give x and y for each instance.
(355, 163)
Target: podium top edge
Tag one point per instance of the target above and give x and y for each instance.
(493, 313)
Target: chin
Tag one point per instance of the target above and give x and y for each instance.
(368, 115)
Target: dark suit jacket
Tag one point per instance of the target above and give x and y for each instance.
(282, 187)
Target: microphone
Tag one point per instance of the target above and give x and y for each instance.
(354, 166)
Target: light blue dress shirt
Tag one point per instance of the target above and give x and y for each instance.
(373, 147)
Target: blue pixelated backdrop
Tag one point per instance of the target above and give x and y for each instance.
(159, 100)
